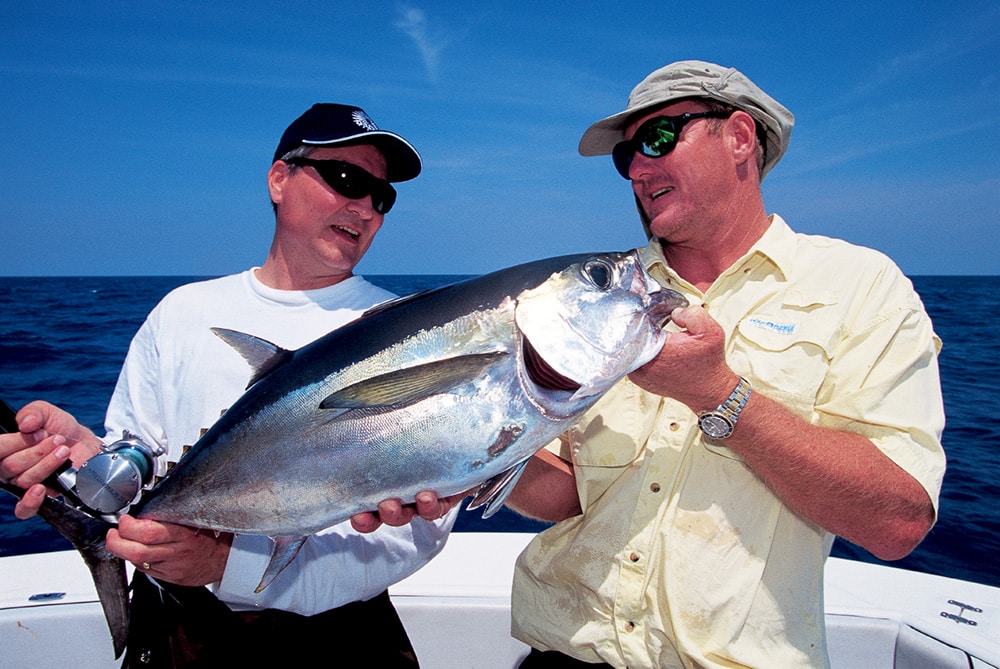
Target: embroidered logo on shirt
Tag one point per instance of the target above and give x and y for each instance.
(780, 328)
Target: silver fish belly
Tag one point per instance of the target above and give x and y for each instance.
(444, 391)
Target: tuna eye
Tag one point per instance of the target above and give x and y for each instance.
(599, 272)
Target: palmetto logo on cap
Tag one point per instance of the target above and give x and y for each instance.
(362, 120)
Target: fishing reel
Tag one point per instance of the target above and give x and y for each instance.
(111, 480)
(107, 482)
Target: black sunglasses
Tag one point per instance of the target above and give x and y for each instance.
(352, 181)
(656, 138)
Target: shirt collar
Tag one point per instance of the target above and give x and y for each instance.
(776, 245)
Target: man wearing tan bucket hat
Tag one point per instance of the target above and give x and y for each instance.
(798, 400)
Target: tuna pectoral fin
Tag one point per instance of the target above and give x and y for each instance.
(87, 533)
(412, 384)
(285, 550)
(494, 493)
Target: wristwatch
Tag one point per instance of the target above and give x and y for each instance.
(720, 422)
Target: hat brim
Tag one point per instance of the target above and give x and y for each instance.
(600, 138)
(402, 160)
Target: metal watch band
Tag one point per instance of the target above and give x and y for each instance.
(720, 422)
(737, 400)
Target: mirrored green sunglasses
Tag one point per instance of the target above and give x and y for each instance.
(656, 138)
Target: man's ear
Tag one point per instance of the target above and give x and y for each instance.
(277, 176)
(743, 131)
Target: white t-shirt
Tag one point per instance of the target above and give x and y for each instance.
(179, 377)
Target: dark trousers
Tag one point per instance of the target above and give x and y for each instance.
(553, 659)
(191, 628)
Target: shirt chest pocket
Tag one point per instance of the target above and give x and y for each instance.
(787, 354)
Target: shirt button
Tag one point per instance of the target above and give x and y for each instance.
(634, 557)
(629, 626)
(674, 427)
(655, 487)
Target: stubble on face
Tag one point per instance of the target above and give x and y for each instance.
(678, 192)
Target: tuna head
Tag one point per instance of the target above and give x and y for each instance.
(589, 325)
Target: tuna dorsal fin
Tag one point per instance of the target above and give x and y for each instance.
(403, 386)
(285, 550)
(494, 492)
(262, 356)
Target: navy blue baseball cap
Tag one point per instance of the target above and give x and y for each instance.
(330, 124)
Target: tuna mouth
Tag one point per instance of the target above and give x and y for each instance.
(542, 373)
(662, 304)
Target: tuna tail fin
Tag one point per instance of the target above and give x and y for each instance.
(494, 492)
(87, 533)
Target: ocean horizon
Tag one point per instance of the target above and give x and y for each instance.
(63, 339)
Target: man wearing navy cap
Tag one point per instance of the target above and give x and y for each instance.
(798, 400)
(330, 184)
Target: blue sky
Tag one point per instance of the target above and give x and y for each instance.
(136, 136)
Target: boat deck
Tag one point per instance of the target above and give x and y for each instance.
(877, 617)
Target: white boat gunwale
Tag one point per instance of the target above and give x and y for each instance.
(877, 616)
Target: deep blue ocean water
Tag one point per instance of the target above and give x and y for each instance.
(63, 339)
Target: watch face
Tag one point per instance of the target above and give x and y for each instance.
(715, 425)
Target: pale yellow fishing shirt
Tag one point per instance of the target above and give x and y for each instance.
(683, 557)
